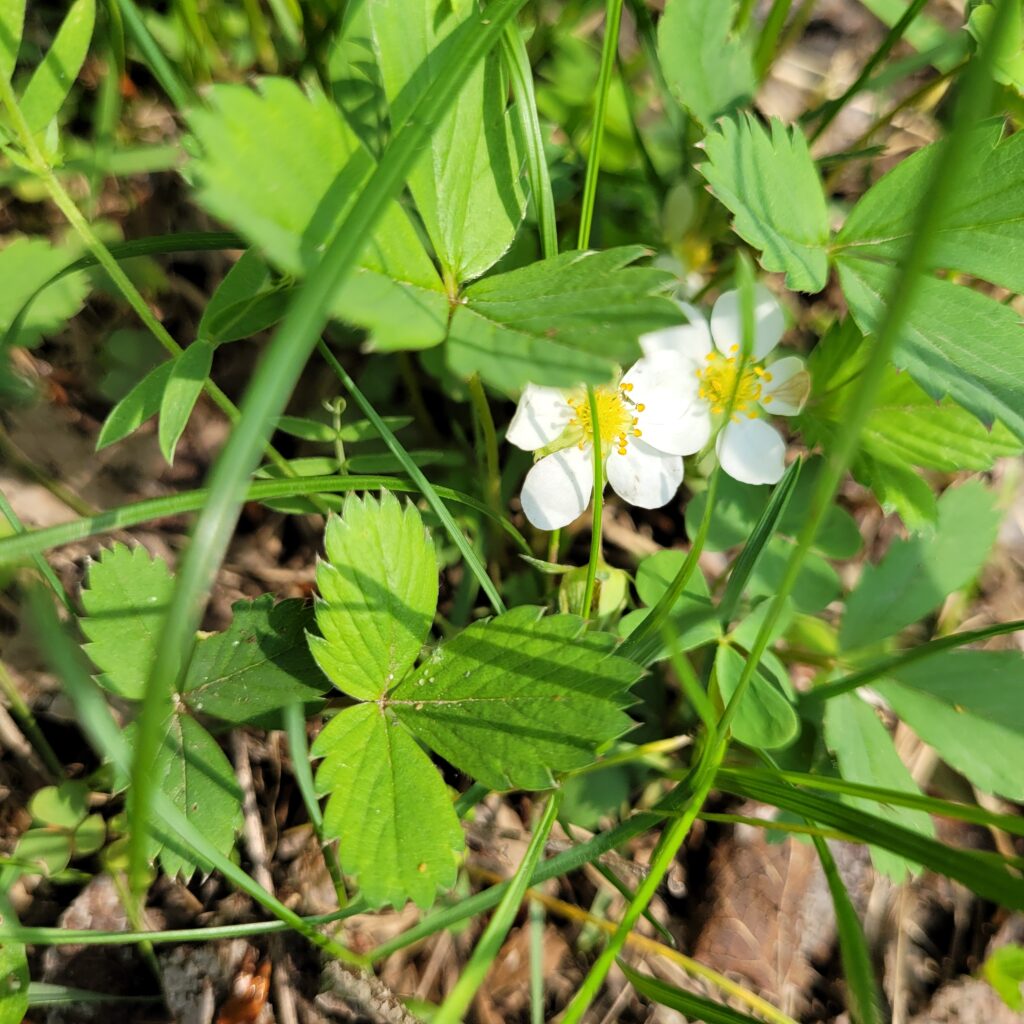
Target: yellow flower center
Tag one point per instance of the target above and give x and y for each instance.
(721, 377)
(617, 417)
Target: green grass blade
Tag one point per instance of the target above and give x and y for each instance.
(489, 946)
(32, 542)
(853, 947)
(178, 93)
(269, 390)
(693, 1007)
(427, 489)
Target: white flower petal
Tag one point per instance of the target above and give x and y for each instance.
(541, 416)
(558, 488)
(643, 476)
(670, 415)
(692, 339)
(684, 432)
(727, 323)
(787, 391)
(752, 452)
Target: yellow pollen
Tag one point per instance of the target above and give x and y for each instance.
(615, 416)
(721, 376)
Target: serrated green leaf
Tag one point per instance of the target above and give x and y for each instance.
(136, 407)
(247, 301)
(52, 79)
(981, 233)
(516, 699)
(916, 574)
(898, 489)
(184, 386)
(765, 719)
(467, 186)
(771, 185)
(865, 753)
(1004, 971)
(14, 980)
(272, 160)
(378, 593)
(397, 829)
(27, 264)
(709, 69)
(125, 599)
(955, 341)
(12, 19)
(259, 665)
(969, 706)
(559, 322)
(199, 780)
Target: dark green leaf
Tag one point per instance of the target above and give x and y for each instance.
(259, 665)
(378, 592)
(516, 699)
(771, 185)
(695, 1008)
(181, 392)
(765, 719)
(559, 322)
(125, 600)
(709, 69)
(52, 79)
(389, 807)
(916, 574)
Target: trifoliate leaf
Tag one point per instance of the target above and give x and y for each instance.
(467, 184)
(559, 322)
(388, 805)
(765, 719)
(771, 185)
(197, 776)
(282, 168)
(260, 664)
(125, 599)
(917, 574)
(709, 69)
(378, 593)
(865, 753)
(969, 706)
(516, 699)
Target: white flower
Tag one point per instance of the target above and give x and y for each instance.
(644, 431)
(749, 449)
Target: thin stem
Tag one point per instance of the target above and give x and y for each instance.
(488, 441)
(178, 93)
(29, 726)
(767, 45)
(613, 18)
(16, 459)
(44, 568)
(517, 61)
(829, 111)
(595, 530)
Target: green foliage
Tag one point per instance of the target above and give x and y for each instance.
(695, 1007)
(26, 265)
(125, 600)
(247, 301)
(12, 18)
(181, 392)
(511, 701)
(518, 699)
(378, 592)
(956, 341)
(969, 706)
(467, 184)
(62, 829)
(14, 979)
(765, 719)
(559, 322)
(301, 159)
(141, 402)
(771, 185)
(1004, 971)
(1009, 63)
(865, 753)
(917, 573)
(51, 81)
(708, 66)
(257, 667)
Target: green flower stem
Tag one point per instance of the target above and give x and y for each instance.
(105, 259)
(595, 530)
(489, 443)
(489, 946)
(612, 20)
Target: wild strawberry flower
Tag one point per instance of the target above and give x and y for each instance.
(644, 429)
(749, 449)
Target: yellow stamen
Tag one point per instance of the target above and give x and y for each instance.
(722, 377)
